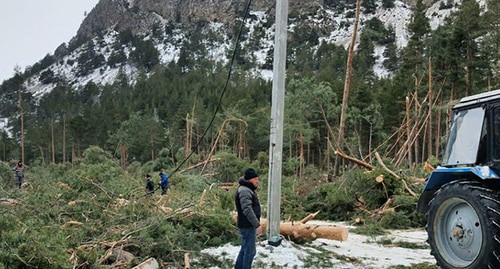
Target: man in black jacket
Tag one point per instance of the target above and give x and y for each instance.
(248, 207)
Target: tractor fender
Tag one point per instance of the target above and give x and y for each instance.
(442, 175)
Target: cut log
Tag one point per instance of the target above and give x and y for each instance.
(428, 168)
(186, 261)
(8, 202)
(298, 230)
(359, 221)
(150, 263)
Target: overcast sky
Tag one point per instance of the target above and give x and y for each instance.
(30, 29)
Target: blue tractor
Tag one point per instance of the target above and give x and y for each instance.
(461, 198)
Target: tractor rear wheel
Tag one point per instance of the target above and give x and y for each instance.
(463, 225)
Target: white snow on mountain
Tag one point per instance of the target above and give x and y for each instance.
(169, 46)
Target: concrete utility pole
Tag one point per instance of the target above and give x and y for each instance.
(277, 109)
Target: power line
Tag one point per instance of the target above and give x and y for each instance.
(235, 49)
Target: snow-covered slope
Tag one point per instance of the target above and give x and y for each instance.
(169, 45)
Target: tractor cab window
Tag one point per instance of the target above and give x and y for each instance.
(496, 134)
(464, 138)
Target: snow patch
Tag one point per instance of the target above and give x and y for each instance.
(4, 126)
(358, 251)
(396, 18)
(378, 68)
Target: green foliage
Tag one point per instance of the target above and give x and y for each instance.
(370, 229)
(164, 160)
(108, 203)
(47, 77)
(388, 3)
(6, 174)
(399, 220)
(369, 6)
(424, 265)
(139, 147)
(96, 155)
(89, 60)
(209, 228)
(402, 244)
(357, 194)
(334, 203)
(230, 168)
(145, 55)
(117, 58)
(150, 116)
(316, 70)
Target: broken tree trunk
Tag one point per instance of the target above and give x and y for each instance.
(382, 164)
(371, 167)
(354, 160)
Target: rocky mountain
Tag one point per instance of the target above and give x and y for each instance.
(162, 29)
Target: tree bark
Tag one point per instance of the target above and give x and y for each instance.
(299, 230)
(408, 132)
(379, 159)
(53, 143)
(429, 139)
(347, 83)
(354, 160)
(438, 127)
(64, 140)
(188, 136)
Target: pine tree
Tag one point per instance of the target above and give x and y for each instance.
(491, 43)
(467, 27)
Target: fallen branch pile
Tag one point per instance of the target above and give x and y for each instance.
(371, 167)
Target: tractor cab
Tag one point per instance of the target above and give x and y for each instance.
(461, 199)
(474, 137)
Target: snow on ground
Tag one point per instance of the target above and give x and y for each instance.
(358, 251)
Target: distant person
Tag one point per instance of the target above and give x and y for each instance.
(248, 207)
(19, 171)
(163, 182)
(150, 188)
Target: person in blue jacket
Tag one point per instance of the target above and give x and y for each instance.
(163, 182)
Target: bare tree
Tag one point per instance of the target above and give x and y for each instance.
(347, 83)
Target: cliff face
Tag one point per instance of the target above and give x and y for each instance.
(140, 15)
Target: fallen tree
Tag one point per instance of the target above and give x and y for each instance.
(303, 230)
(371, 167)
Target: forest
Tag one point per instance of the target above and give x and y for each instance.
(88, 149)
(171, 108)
